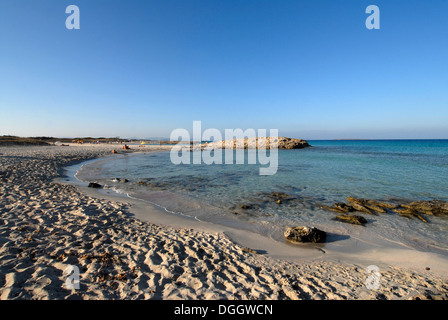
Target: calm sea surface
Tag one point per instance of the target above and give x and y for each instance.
(322, 175)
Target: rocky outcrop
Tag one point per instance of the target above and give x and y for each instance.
(370, 205)
(361, 205)
(414, 209)
(409, 213)
(433, 208)
(305, 234)
(290, 143)
(352, 219)
(342, 207)
(258, 143)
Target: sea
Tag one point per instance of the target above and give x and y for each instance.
(307, 179)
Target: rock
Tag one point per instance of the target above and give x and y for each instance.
(278, 195)
(332, 209)
(305, 234)
(361, 208)
(364, 205)
(94, 185)
(383, 204)
(375, 206)
(434, 207)
(257, 143)
(290, 143)
(246, 206)
(339, 207)
(343, 207)
(281, 197)
(409, 213)
(358, 205)
(361, 205)
(354, 200)
(405, 211)
(409, 210)
(249, 250)
(352, 218)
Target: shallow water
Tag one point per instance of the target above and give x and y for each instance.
(322, 175)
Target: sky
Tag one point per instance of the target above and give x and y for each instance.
(142, 68)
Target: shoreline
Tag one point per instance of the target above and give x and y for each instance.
(269, 247)
(358, 249)
(366, 253)
(153, 213)
(49, 225)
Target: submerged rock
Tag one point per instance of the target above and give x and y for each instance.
(278, 195)
(305, 234)
(375, 206)
(358, 205)
(386, 205)
(343, 207)
(332, 209)
(281, 197)
(409, 213)
(352, 219)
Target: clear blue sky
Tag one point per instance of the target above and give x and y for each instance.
(142, 68)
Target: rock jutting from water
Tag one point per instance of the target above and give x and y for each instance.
(351, 218)
(258, 143)
(409, 213)
(433, 207)
(370, 205)
(405, 209)
(361, 205)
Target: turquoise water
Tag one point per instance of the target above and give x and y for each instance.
(322, 175)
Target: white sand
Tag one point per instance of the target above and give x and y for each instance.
(126, 249)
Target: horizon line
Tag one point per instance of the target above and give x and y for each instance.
(168, 139)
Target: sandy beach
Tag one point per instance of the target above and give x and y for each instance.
(126, 249)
